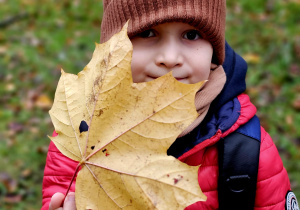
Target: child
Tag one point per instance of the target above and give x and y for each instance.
(187, 37)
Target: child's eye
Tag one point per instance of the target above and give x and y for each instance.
(192, 35)
(147, 34)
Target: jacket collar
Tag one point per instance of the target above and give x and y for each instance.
(230, 117)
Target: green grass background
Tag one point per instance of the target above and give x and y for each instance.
(38, 38)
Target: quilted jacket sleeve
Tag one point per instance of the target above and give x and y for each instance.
(272, 181)
(58, 173)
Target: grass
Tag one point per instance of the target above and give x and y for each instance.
(267, 35)
(37, 40)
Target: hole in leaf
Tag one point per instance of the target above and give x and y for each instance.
(175, 181)
(83, 126)
(92, 147)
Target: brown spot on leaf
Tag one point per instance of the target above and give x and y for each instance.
(91, 98)
(98, 80)
(178, 179)
(98, 112)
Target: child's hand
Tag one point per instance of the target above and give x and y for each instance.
(213, 66)
(58, 198)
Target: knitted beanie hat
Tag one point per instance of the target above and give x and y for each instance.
(208, 16)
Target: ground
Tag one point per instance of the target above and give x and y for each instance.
(38, 39)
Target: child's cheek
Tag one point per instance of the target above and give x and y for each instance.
(136, 72)
(138, 64)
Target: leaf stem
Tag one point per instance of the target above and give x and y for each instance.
(74, 175)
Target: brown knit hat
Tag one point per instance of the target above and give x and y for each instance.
(208, 16)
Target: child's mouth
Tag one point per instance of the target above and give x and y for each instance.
(177, 78)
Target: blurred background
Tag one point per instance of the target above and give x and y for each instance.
(38, 38)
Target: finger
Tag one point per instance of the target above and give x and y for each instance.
(56, 201)
(69, 203)
(213, 66)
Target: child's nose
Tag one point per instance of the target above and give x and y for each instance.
(169, 56)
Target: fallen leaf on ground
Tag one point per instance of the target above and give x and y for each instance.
(43, 101)
(252, 58)
(119, 132)
(12, 198)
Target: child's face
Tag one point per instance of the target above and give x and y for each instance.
(176, 47)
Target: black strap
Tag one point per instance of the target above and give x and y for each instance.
(238, 168)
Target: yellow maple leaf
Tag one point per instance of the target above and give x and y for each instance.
(123, 153)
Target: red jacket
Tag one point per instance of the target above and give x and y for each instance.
(272, 184)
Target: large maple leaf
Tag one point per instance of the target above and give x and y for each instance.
(119, 132)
